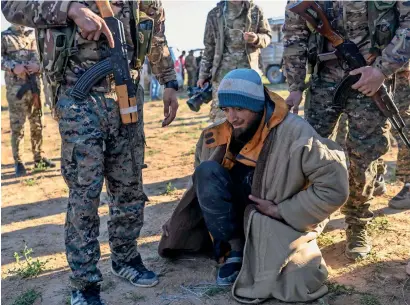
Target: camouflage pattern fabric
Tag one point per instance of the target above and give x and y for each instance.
(351, 21)
(95, 145)
(368, 138)
(367, 141)
(191, 68)
(225, 48)
(91, 150)
(401, 96)
(18, 47)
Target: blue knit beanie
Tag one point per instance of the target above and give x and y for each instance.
(242, 88)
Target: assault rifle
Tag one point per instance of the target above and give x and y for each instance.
(116, 64)
(348, 52)
(30, 85)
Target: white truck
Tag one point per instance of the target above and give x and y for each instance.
(271, 56)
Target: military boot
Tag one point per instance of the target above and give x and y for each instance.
(20, 169)
(402, 200)
(44, 162)
(358, 244)
(379, 186)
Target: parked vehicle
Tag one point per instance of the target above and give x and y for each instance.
(271, 56)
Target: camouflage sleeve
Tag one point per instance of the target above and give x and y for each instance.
(264, 32)
(7, 64)
(209, 51)
(295, 42)
(397, 53)
(160, 57)
(36, 14)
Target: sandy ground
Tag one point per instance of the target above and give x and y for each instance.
(33, 211)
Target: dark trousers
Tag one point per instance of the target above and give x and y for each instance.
(223, 196)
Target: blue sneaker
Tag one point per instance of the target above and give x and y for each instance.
(229, 271)
(135, 272)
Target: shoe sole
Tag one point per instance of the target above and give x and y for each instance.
(134, 284)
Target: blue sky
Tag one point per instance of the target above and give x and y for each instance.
(185, 20)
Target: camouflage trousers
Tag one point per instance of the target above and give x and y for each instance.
(215, 114)
(401, 99)
(367, 141)
(95, 145)
(19, 111)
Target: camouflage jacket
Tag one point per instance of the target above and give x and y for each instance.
(214, 38)
(53, 14)
(17, 47)
(351, 21)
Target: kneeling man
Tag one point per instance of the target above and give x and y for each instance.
(260, 197)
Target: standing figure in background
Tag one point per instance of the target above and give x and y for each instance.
(198, 64)
(19, 60)
(191, 68)
(235, 31)
(181, 60)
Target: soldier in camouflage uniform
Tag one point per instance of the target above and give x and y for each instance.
(95, 144)
(190, 66)
(18, 60)
(368, 132)
(234, 33)
(401, 99)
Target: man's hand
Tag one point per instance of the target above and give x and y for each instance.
(170, 106)
(266, 207)
(201, 83)
(370, 81)
(90, 24)
(33, 67)
(293, 101)
(250, 37)
(20, 70)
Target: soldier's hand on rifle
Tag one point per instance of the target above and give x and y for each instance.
(20, 70)
(250, 37)
(170, 106)
(33, 67)
(90, 24)
(293, 101)
(370, 81)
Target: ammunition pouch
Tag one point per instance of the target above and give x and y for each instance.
(55, 46)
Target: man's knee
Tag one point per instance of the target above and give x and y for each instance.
(208, 170)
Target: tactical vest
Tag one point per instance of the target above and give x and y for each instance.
(383, 19)
(56, 45)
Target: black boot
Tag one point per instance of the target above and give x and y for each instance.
(20, 169)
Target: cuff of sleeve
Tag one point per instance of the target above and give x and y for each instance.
(386, 70)
(257, 44)
(297, 87)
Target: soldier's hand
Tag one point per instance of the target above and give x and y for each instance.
(201, 83)
(20, 70)
(91, 25)
(33, 67)
(293, 101)
(170, 106)
(250, 37)
(370, 81)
